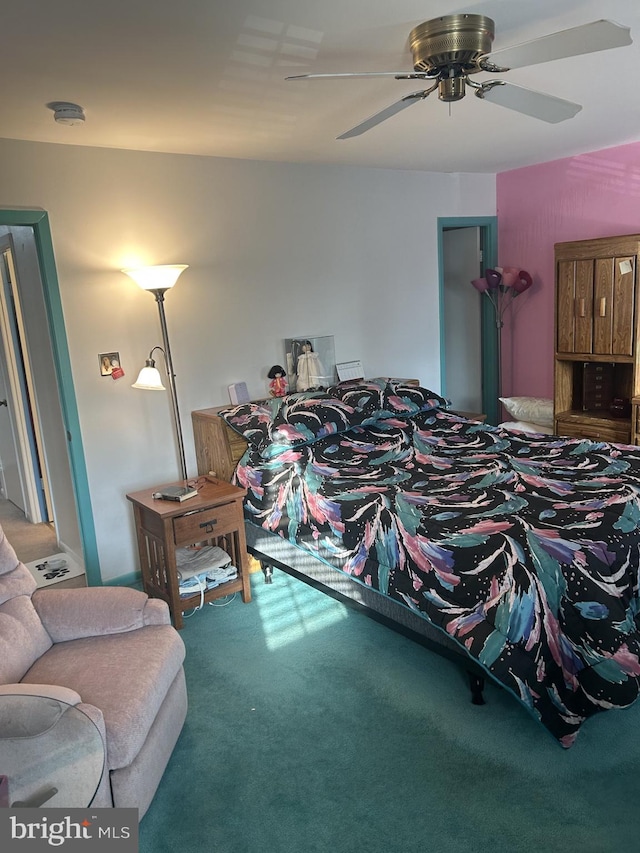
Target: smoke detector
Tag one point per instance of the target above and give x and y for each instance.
(66, 113)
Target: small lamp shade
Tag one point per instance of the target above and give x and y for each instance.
(523, 282)
(160, 277)
(493, 278)
(149, 378)
(510, 276)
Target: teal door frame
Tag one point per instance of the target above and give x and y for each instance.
(39, 221)
(489, 333)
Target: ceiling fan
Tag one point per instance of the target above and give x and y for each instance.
(449, 49)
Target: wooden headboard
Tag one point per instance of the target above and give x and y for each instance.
(218, 447)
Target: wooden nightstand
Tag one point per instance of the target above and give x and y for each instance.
(214, 517)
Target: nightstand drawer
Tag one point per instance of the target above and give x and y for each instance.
(202, 524)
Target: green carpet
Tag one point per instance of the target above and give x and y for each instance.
(313, 728)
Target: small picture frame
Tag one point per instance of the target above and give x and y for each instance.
(108, 361)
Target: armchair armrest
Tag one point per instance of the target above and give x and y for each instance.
(70, 614)
(51, 691)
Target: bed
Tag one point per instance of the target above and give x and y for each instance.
(515, 552)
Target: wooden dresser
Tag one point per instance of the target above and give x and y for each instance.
(597, 342)
(218, 447)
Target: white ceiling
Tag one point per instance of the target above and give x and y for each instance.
(206, 77)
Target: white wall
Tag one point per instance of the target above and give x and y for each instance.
(275, 251)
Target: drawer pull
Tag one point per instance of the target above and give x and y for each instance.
(208, 525)
(603, 306)
(582, 308)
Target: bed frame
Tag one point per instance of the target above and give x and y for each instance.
(218, 450)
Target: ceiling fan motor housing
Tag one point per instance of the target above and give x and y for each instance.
(452, 42)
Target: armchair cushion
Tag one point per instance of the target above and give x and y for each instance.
(70, 614)
(23, 638)
(107, 672)
(19, 581)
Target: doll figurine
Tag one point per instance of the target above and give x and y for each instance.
(278, 384)
(309, 369)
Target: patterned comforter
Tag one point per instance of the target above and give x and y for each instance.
(524, 549)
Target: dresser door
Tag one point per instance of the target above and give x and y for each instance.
(575, 306)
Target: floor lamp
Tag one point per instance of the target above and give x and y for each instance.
(157, 280)
(501, 286)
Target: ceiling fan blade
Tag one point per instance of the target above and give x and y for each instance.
(588, 38)
(535, 104)
(399, 75)
(384, 114)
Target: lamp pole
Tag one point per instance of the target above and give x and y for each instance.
(499, 326)
(159, 297)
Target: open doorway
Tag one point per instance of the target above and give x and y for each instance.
(468, 344)
(23, 471)
(57, 464)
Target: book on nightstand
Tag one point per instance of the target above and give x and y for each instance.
(176, 493)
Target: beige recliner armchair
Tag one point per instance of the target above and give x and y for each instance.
(111, 651)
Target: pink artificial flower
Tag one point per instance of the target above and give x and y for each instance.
(480, 284)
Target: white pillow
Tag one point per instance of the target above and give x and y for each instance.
(525, 426)
(534, 410)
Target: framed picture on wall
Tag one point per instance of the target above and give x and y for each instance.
(311, 362)
(108, 361)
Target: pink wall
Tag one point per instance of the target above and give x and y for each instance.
(591, 195)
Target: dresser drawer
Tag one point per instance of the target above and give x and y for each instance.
(618, 433)
(203, 524)
(597, 386)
